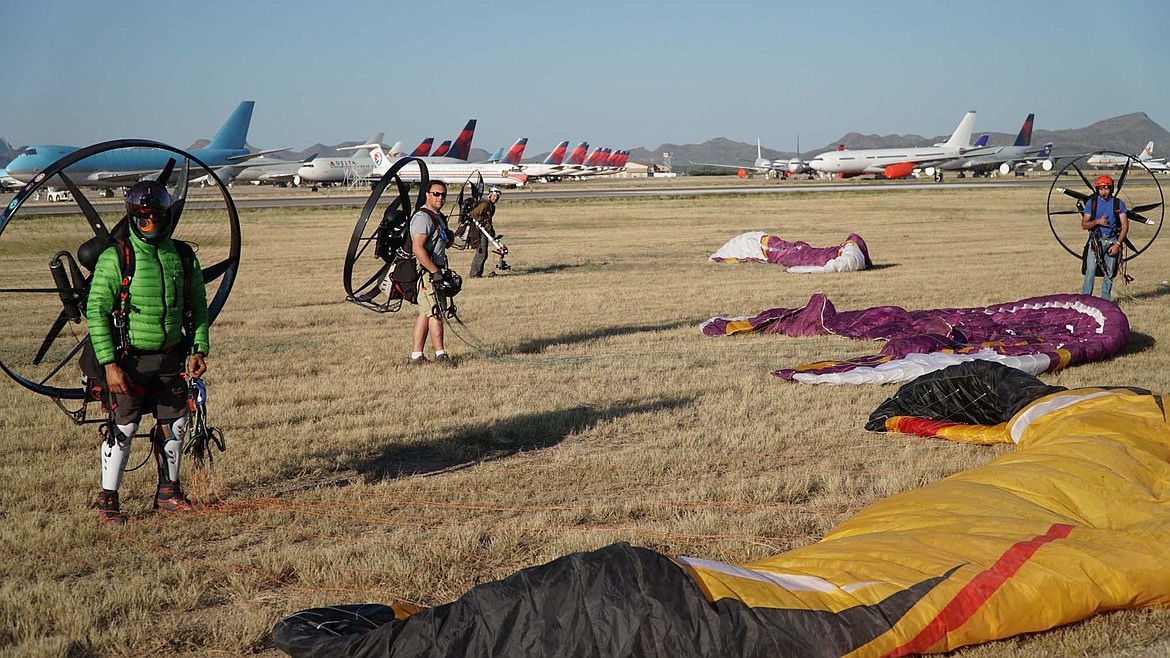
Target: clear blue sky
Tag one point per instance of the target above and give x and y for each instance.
(622, 74)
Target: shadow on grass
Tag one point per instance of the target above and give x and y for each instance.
(880, 266)
(534, 346)
(558, 267)
(1138, 343)
(498, 440)
(1160, 291)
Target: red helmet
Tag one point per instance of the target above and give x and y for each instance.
(148, 204)
(1103, 181)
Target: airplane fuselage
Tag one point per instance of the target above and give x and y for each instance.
(335, 170)
(875, 161)
(102, 169)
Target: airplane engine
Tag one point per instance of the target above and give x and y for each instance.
(1046, 165)
(1007, 167)
(900, 170)
(296, 180)
(929, 171)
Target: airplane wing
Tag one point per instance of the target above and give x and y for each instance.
(745, 167)
(249, 156)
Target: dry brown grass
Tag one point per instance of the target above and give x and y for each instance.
(353, 478)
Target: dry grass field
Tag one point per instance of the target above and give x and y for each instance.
(602, 415)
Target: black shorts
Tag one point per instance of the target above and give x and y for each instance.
(157, 386)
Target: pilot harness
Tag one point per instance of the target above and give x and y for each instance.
(1094, 244)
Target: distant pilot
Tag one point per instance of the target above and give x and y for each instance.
(482, 213)
(1107, 220)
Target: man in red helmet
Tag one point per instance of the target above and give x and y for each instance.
(1107, 222)
(147, 313)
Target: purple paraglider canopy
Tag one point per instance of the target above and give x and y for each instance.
(1039, 334)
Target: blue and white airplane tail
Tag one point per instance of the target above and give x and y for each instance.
(234, 132)
(981, 142)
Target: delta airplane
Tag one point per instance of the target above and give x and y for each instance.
(574, 162)
(550, 165)
(898, 162)
(1099, 159)
(512, 157)
(766, 166)
(337, 169)
(453, 173)
(455, 151)
(124, 167)
(1004, 159)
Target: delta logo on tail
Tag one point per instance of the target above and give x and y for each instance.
(558, 154)
(462, 147)
(443, 149)
(1025, 136)
(516, 152)
(424, 148)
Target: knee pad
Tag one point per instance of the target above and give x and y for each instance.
(115, 450)
(169, 446)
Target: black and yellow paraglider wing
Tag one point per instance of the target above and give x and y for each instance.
(47, 255)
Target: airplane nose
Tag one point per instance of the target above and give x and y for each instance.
(818, 163)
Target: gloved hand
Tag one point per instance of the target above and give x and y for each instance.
(437, 280)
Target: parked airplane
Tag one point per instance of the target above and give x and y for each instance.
(123, 167)
(1103, 159)
(898, 162)
(454, 173)
(770, 168)
(338, 169)
(573, 163)
(1004, 159)
(8, 183)
(278, 172)
(550, 165)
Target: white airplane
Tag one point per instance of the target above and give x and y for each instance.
(770, 168)
(1004, 159)
(338, 169)
(1110, 160)
(279, 172)
(8, 183)
(898, 162)
(550, 165)
(453, 173)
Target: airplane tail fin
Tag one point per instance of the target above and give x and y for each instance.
(377, 154)
(1147, 153)
(1025, 136)
(396, 150)
(462, 147)
(516, 152)
(497, 156)
(759, 150)
(982, 141)
(424, 148)
(962, 135)
(558, 154)
(578, 156)
(376, 139)
(443, 150)
(234, 132)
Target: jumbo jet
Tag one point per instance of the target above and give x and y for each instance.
(123, 167)
(898, 162)
(338, 169)
(453, 173)
(1005, 159)
(1101, 159)
(766, 166)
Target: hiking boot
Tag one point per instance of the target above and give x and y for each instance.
(108, 508)
(420, 361)
(170, 498)
(445, 360)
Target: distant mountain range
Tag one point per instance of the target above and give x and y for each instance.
(1127, 133)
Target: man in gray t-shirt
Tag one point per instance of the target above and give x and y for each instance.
(429, 237)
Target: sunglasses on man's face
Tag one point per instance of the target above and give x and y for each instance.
(438, 194)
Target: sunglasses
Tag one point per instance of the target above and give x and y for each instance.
(437, 193)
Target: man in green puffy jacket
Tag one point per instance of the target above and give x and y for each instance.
(144, 343)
